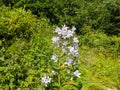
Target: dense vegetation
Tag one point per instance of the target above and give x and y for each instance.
(26, 30)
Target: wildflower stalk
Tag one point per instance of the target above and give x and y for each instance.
(64, 65)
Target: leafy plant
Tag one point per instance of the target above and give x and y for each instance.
(64, 66)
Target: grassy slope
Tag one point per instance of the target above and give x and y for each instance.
(99, 72)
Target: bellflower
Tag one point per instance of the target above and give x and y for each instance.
(73, 51)
(58, 31)
(68, 61)
(68, 45)
(69, 34)
(77, 74)
(73, 28)
(75, 45)
(54, 57)
(53, 72)
(46, 80)
(75, 40)
(55, 40)
(70, 49)
(64, 32)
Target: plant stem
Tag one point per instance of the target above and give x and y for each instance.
(59, 74)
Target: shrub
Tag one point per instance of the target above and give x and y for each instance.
(98, 14)
(16, 24)
(102, 42)
(24, 48)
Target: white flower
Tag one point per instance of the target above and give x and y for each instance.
(75, 40)
(64, 32)
(54, 57)
(73, 28)
(68, 61)
(46, 80)
(75, 45)
(58, 30)
(53, 72)
(77, 74)
(73, 51)
(69, 34)
(64, 28)
(55, 40)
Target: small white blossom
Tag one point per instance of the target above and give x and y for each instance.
(73, 28)
(55, 58)
(70, 49)
(68, 61)
(77, 74)
(75, 40)
(73, 51)
(55, 40)
(58, 31)
(75, 45)
(53, 72)
(64, 28)
(69, 34)
(46, 80)
(64, 32)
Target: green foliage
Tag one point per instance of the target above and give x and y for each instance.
(99, 71)
(1, 2)
(16, 24)
(113, 25)
(100, 15)
(105, 44)
(26, 48)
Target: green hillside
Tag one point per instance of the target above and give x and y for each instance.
(59, 45)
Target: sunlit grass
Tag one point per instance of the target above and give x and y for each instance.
(100, 72)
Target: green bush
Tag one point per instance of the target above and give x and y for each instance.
(103, 43)
(16, 24)
(100, 15)
(24, 50)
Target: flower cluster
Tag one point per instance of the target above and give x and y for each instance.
(64, 32)
(46, 80)
(68, 43)
(62, 40)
